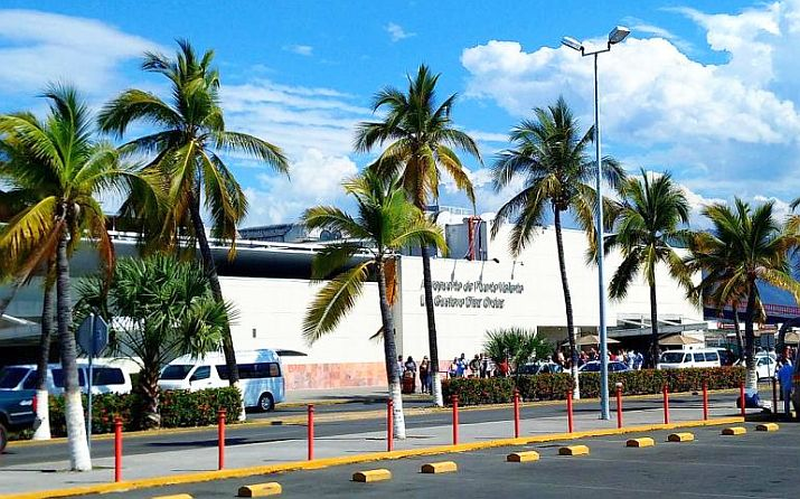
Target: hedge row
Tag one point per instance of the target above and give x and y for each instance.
(178, 408)
(477, 391)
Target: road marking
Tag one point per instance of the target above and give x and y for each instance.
(260, 490)
(523, 457)
(372, 475)
(440, 467)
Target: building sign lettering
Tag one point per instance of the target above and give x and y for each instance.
(474, 300)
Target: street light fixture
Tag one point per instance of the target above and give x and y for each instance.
(616, 35)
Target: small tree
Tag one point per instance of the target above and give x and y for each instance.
(517, 345)
(159, 308)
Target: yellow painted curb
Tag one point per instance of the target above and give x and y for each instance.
(768, 427)
(174, 496)
(681, 437)
(640, 442)
(372, 475)
(206, 476)
(734, 430)
(574, 450)
(440, 467)
(523, 457)
(260, 490)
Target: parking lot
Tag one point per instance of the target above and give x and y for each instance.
(757, 464)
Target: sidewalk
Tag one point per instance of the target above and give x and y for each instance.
(16, 479)
(338, 395)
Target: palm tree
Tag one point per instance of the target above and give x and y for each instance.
(745, 246)
(420, 140)
(167, 311)
(68, 170)
(551, 156)
(187, 146)
(517, 345)
(386, 222)
(650, 217)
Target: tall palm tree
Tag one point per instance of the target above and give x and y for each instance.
(420, 141)
(187, 157)
(385, 223)
(550, 155)
(744, 247)
(68, 169)
(650, 220)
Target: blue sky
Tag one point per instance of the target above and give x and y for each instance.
(709, 90)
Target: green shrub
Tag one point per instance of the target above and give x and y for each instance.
(179, 409)
(476, 391)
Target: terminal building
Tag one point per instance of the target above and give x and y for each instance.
(477, 287)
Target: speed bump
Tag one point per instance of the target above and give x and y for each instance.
(440, 467)
(260, 490)
(372, 475)
(767, 427)
(174, 496)
(681, 437)
(640, 442)
(574, 450)
(734, 430)
(522, 457)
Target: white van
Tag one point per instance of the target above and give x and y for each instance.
(107, 379)
(260, 375)
(681, 359)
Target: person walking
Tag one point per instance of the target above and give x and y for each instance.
(785, 379)
(411, 373)
(425, 375)
(484, 366)
(475, 366)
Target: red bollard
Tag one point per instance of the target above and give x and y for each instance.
(741, 398)
(221, 438)
(389, 425)
(619, 406)
(705, 401)
(455, 420)
(310, 432)
(117, 449)
(516, 413)
(570, 426)
(665, 391)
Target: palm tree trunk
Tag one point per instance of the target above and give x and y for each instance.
(653, 325)
(42, 403)
(567, 302)
(433, 344)
(751, 378)
(210, 269)
(390, 352)
(738, 328)
(79, 457)
(148, 387)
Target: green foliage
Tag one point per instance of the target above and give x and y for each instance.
(477, 391)
(179, 409)
(519, 345)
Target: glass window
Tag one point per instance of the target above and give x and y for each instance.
(253, 371)
(222, 371)
(11, 376)
(58, 377)
(698, 357)
(30, 381)
(712, 356)
(672, 357)
(176, 371)
(202, 372)
(107, 376)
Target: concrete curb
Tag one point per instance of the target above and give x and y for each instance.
(360, 458)
(300, 420)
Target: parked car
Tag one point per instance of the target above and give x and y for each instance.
(682, 359)
(107, 379)
(17, 412)
(593, 366)
(260, 374)
(766, 365)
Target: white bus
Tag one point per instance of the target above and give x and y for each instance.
(260, 375)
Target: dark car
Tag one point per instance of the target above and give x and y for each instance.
(613, 366)
(17, 412)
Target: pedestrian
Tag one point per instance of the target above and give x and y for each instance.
(484, 366)
(638, 361)
(400, 366)
(453, 370)
(504, 368)
(785, 379)
(411, 372)
(475, 365)
(462, 365)
(425, 374)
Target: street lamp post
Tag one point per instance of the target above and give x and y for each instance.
(616, 35)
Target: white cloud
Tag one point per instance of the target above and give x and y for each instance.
(315, 179)
(304, 50)
(37, 47)
(733, 124)
(397, 33)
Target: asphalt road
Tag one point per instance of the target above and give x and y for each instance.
(248, 434)
(755, 465)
